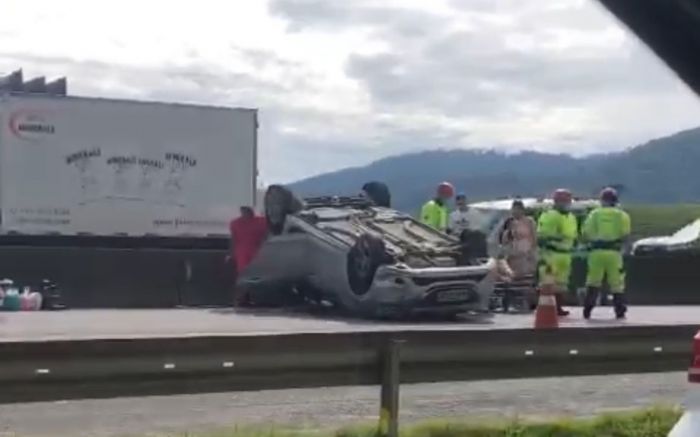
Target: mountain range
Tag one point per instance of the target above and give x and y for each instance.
(664, 170)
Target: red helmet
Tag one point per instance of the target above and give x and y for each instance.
(562, 195)
(445, 189)
(608, 196)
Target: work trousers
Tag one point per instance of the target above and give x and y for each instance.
(606, 264)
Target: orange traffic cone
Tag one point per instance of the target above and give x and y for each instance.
(689, 425)
(546, 314)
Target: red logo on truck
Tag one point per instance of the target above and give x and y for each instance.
(30, 125)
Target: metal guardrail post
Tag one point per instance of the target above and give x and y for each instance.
(51, 370)
(389, 409)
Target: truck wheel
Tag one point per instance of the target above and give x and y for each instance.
(279, 202)
(363, 260)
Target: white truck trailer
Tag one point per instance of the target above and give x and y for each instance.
(76, 166)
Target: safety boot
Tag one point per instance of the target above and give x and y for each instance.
(589, 301)
(620, 305)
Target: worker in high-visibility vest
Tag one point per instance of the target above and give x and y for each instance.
(606, 231)
(435, 212)
(557, 231)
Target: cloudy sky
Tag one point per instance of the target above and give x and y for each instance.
(343, 82)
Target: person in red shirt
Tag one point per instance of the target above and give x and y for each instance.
(248, 232)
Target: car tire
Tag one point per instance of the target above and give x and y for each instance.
(378, 193)
(363, 260)
(279, 202)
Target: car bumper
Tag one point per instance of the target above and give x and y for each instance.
(434, 290)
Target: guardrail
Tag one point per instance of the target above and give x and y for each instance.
(54, 370)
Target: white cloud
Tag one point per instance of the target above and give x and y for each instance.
(340, 83)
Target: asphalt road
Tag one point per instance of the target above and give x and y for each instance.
(83, 324)
(334, 407)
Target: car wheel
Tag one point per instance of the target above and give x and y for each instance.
(378, 193)
(279, 202)
(364, 258)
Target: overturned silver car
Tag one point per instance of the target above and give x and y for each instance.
(368, 260)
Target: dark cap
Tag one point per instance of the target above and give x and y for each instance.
(517, 203)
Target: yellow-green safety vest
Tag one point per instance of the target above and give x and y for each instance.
(606, 228)
(434, 214)
(557, 231)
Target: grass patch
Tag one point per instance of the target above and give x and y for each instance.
(655, 422)
(657, 220)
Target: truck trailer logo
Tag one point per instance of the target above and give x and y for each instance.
(85, 162)
(30, 125)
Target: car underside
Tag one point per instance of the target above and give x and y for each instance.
(366, 259)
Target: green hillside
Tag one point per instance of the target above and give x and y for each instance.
(662, 171)
(655, 220)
